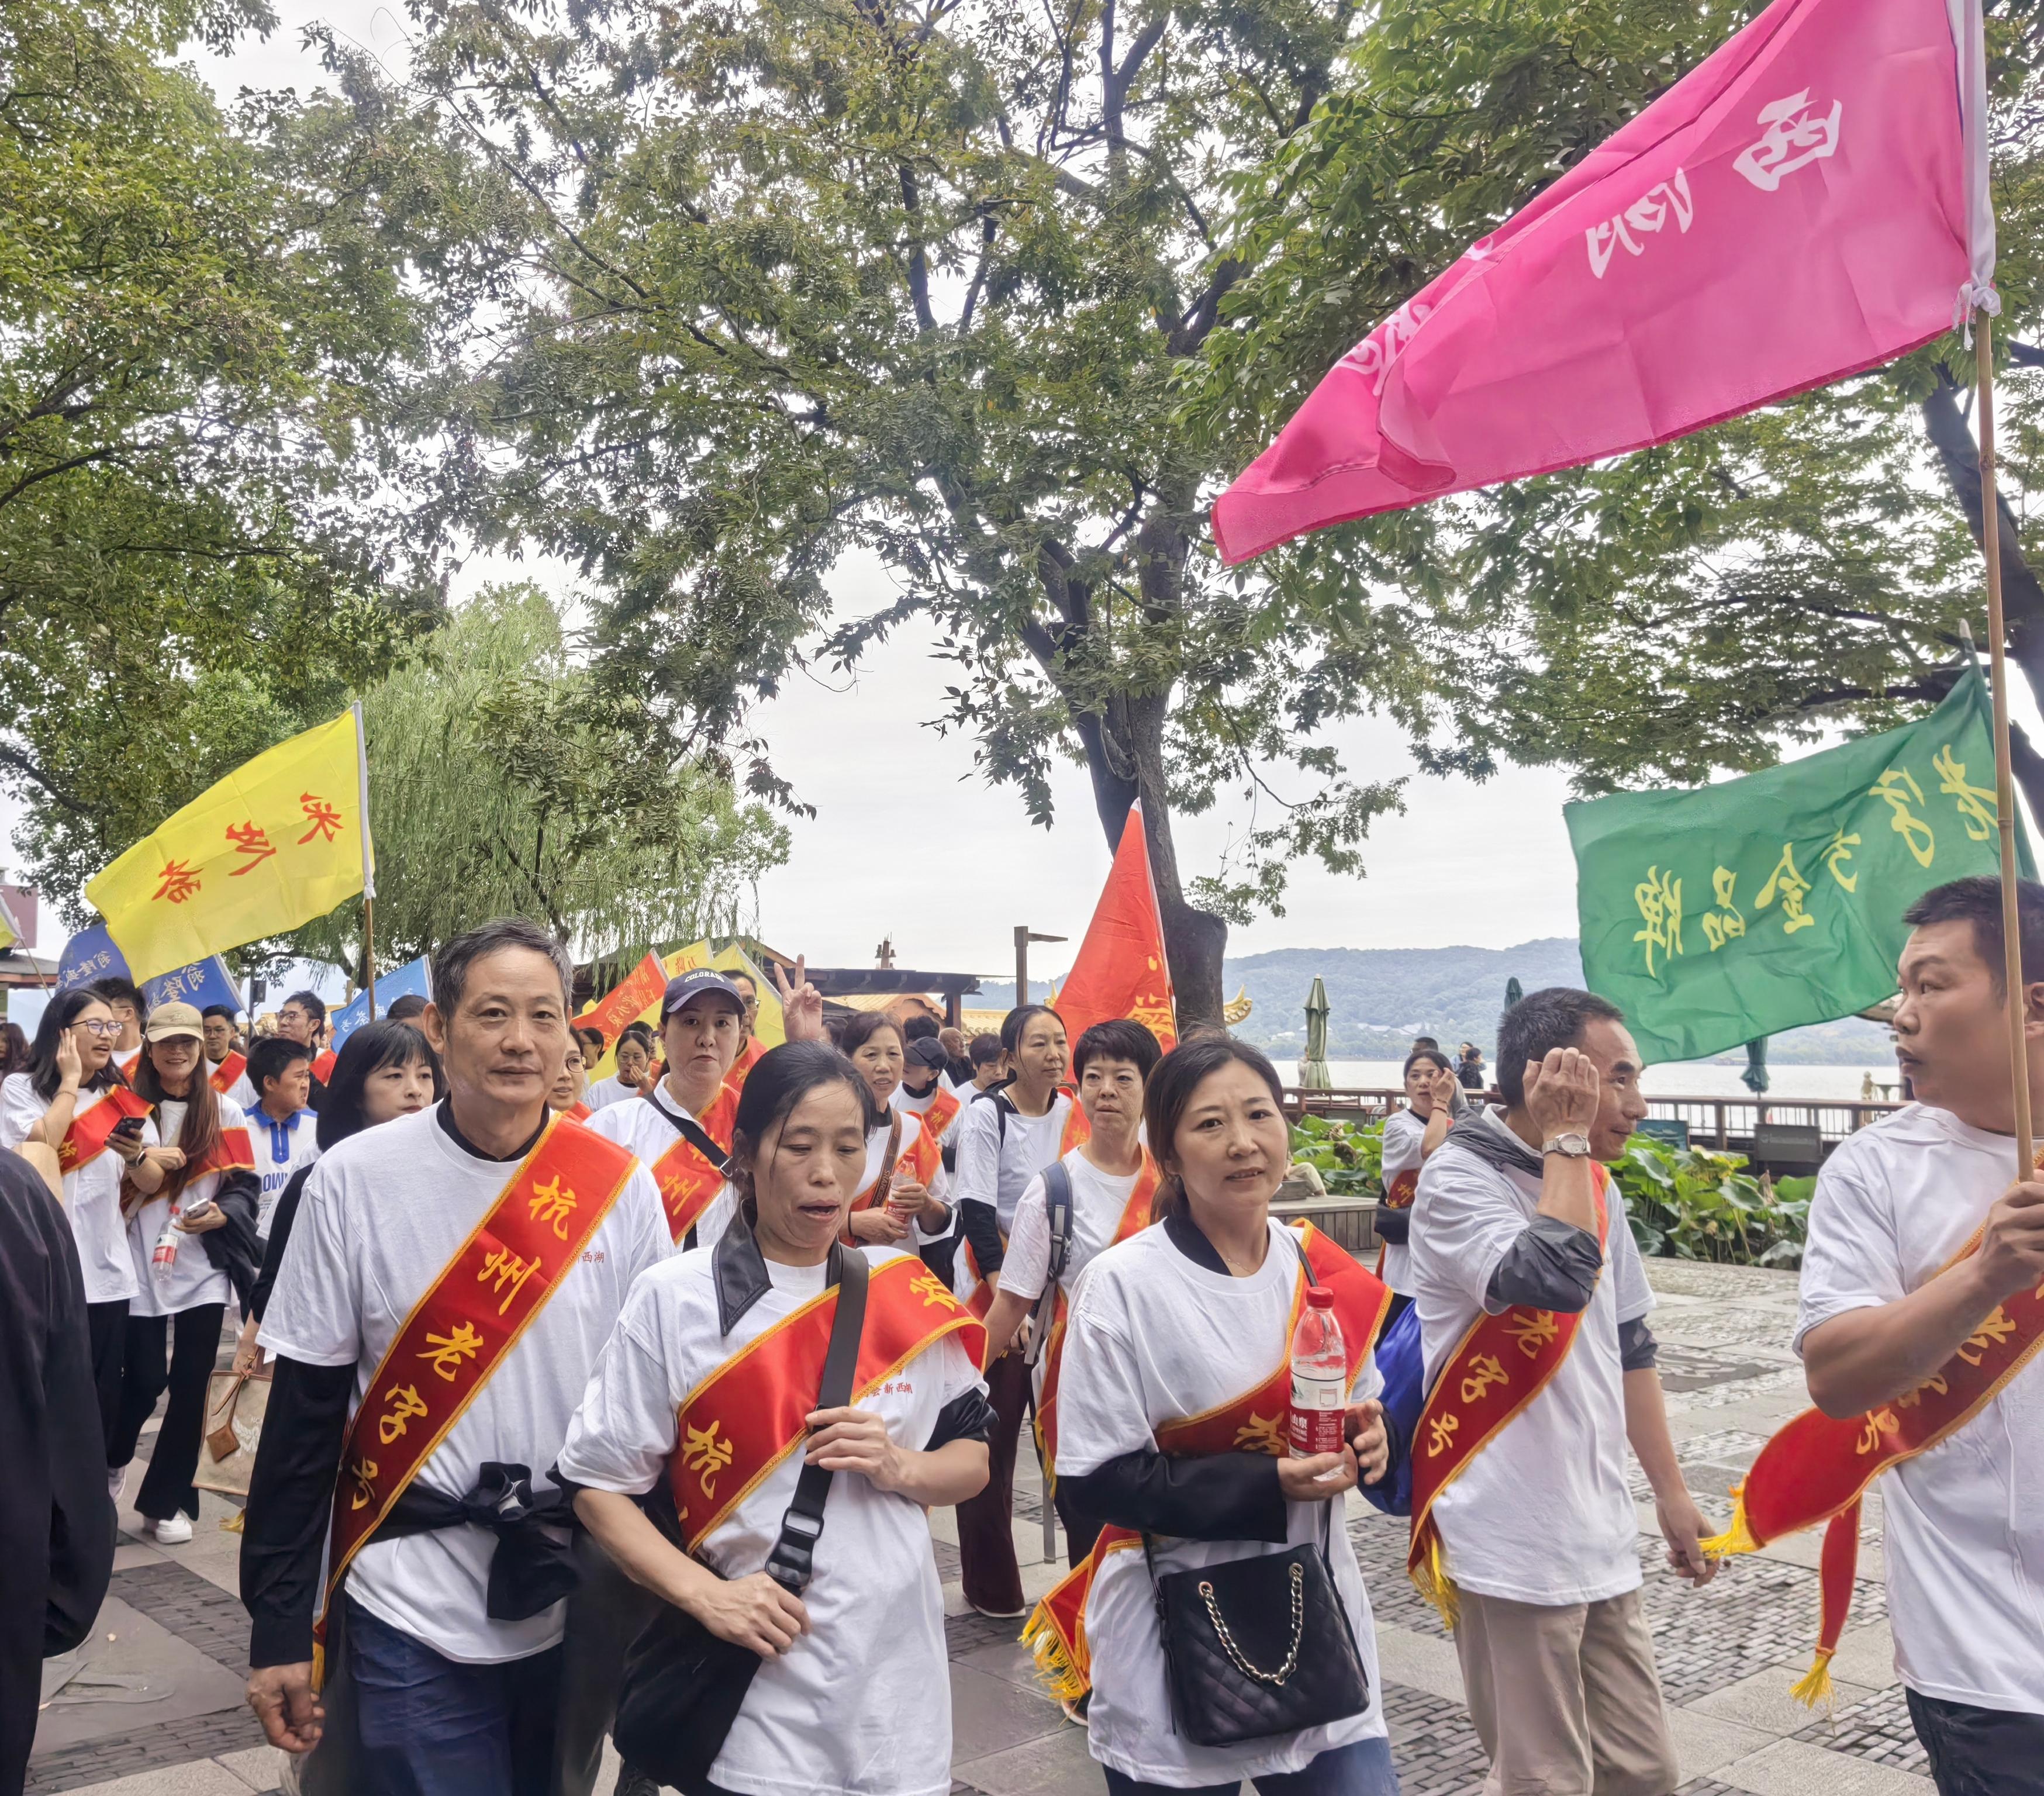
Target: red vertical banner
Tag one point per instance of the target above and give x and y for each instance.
(625, 1002)
(1121, 970)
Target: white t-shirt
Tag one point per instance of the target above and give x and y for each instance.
(193, 1279)
(1099, 1201)
(1964, 1523)
(861, 1705)
(281, 1149)
(996, 1168)
(1574, 1541)
(601, 1093)
(647, 1131)
(91, 1195)
(243, 1093)
(381, 1217)
(912, 1104)
(1154, 1338)
(1404, 1131)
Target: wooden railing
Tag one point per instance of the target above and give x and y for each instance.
(1713, 1122)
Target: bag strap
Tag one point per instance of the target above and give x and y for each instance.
(695, 1135)
(792, 1561)
(886, 1182)
(1058, 1201)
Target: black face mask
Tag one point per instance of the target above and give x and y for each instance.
(916, 1090)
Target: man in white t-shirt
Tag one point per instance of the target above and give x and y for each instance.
(1887, 1302)
(451, 1631)
(1539, 1530)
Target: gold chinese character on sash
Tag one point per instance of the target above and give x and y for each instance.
(1896, 789)
(549, 1203)
(930, 1289)
(1790, 885)
(1878, 1422)
(1976, 805)
(448, 1351)
(1659, 898)
(363, 1472)
(1909, 1399)
(704, 1454)
(1263, 1435)
(1441, 1433)
(1485, 1370)
(1725, 923)
(1990, 1333)
(1835, 856)
(1532, 1329)
(510, 1273)
(405, 1403)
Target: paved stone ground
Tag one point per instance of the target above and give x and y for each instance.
(153, 1707)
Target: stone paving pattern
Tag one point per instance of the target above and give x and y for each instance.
(175, 1632)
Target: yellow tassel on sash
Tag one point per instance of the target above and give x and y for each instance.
(1062, 1676)
(1430, 1578)
(1736, 1539)
(1816, 1687)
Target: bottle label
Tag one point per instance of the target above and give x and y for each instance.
(1318, 1410)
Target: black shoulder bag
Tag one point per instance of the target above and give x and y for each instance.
(1258, 1646)
(683, 1686)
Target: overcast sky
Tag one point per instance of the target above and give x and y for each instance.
(907, 844)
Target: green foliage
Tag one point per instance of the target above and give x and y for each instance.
(1349, 1156)
(199, 326)
(1689, 1204)
(505, 780)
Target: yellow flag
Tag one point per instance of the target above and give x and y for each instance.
(282, 839)
(771, 1029)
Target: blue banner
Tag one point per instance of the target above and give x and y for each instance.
(203, 983)
(89, 955)
(414, 978)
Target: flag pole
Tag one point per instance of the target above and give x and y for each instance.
(368, 863)
(2004, 778)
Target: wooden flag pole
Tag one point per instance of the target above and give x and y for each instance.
(2004, 778)
(368, 863)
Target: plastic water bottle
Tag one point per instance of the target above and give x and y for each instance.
(164, 1262)
(1319, 1378)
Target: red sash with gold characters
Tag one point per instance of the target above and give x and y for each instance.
(222, 1078)
(464, 1328)
(85, 1139)
(689, 1181)
(126, 1067)
(1135, 1218)
(919, 1160)
(577, 1112)
(232, 1152)
(1816, 1467)
(1252, 1423)
(1398, 1196)
(1497, 1369)
(1076, 1131)
(943, 1112)
(750, 1413)
(749, 1056)
(323, 1064)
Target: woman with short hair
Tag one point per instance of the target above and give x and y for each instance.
(852, 1695)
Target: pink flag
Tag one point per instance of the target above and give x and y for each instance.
(1810, 202)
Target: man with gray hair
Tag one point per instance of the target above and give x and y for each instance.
(451, 1279)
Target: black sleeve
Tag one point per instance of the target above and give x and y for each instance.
(968, 1417)
(281, 1220)
(1215, 1497)
(235, 1249)
(1638, 1350)
(1393, 1225)
(1553, 1265)
(290, 1501)
(982, 1229)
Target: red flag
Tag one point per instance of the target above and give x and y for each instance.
(625, 1002)
(1121, 970)
(1808, 202)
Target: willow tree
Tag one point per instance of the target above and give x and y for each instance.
(794, 279)
(502, 780)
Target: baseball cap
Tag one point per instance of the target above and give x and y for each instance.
(927, 1052)
(684, 988)
(167, 1022)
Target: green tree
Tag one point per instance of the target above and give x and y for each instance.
(204, 344)
(502, 781)
(801, 277)
(1679, 611)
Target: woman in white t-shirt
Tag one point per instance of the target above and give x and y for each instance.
(1112, 1184)
(1005, 1137)
(1175, 1328)
(634, 1062)
(72, 1099)
(898, 1149)
(852, 1695)
(193, 1245)
(1410, 1135)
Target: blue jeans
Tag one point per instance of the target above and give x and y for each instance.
(430, 1726)
(1361, 1768)
(1980, 1751)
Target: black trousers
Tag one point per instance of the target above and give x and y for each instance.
(992, 1578)
(107, 1325)
(194, 1344)
(1980, 1751)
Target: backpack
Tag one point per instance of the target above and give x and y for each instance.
(1058, 1199)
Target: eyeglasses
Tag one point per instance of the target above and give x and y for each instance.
(100, 1028)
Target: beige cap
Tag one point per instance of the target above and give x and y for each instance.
(167, 1022)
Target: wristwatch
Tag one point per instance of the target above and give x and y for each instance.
(1575, 1146)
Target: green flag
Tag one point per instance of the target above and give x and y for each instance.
(1735, 910)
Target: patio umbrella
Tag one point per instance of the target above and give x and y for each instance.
(1754, 1077)
(1313, 1071)
(1513, 992)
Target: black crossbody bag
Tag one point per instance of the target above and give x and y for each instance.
(683, 1686)
(1258, 1646)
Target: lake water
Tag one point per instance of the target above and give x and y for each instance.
(1702, 1079)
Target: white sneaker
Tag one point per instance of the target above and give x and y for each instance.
(116, 1476)
(173, 1532)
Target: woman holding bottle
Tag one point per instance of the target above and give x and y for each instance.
(899, 1202)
